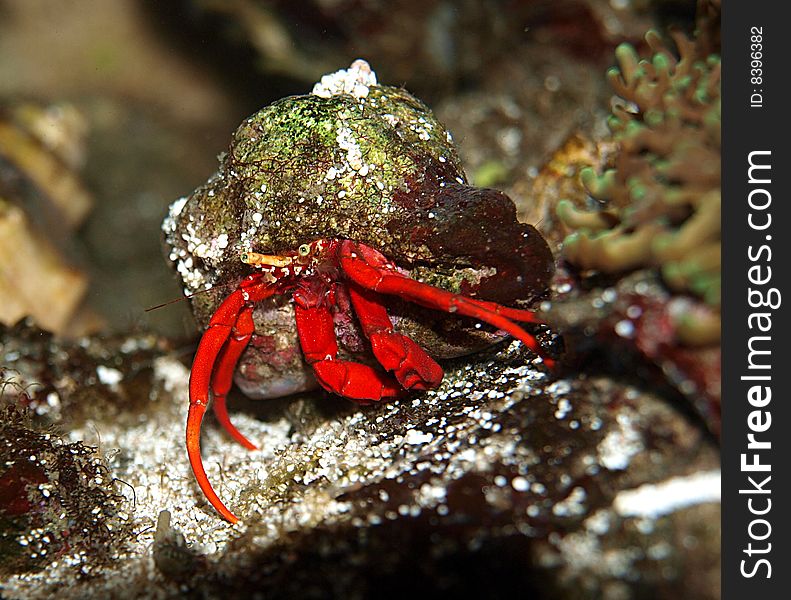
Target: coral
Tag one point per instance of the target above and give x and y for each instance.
(57, 500)
(659, 202)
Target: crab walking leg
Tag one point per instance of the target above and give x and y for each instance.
(408, 362)
(252, 289)
(223, 373)
(353, 380)
(370, 269)
(513, 314)
(210, 345)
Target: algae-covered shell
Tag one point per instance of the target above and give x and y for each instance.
(361, 161)
(371, 164)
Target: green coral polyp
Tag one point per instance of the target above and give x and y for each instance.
(598, 185)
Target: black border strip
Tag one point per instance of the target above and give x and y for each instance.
(756, 120)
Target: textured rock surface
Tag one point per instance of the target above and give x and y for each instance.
(501, 479)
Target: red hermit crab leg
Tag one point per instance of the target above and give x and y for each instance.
(224, 320)
(412, 367)
(210, 345)
(370, 269)
(223, 373)
(353, 380)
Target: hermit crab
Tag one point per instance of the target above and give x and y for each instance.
(342, 224)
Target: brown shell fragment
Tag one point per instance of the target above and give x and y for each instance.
(34, 279)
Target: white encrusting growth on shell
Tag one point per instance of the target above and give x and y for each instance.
(391, 119)
(348, 143)
(192, 277)
(354, 81)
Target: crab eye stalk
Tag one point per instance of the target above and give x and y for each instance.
(265, 260)
(304, 250)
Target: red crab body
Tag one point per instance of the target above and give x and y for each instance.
(316, 275)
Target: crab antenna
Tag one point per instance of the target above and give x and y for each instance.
(188, 296)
